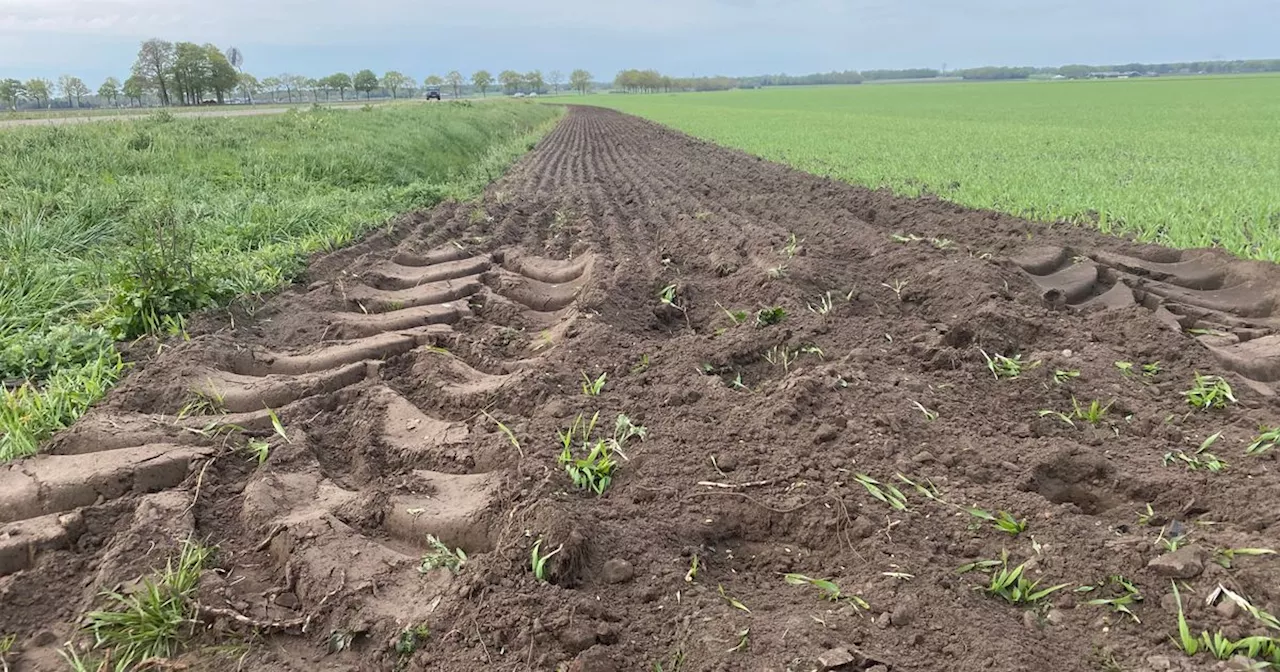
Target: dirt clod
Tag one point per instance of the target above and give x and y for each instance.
(834, 658)
(617, 571)
(1185, 563)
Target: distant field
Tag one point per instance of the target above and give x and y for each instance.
(113, 230)
(1186, 162)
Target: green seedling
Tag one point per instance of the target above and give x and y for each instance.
(641, 366)
(770, 316)
(440, 556)
(538, 561)
(1063, 376)
(1144, 517)
(896, 287)
(1217, 645)
(811, 350)
(408, 642)
(1207, 332)
(942, 243)
(824, 306)
(624, 430)
(1063, 417)
(777, 272)
(1176, 535)
(979, 565)
(593, 387)
(1151, 370)
(929, 415)
(511, 436)
(792, 247)
(1002, 520)
(735, 316)
(1268, 438)
(1128, 595)
(733, 602)
(694, 566)
(151, 622)
(595, 471)
(1093, 413)
(905, 239)
(1007, 367)
(669, 296)
(6, 646)
(928, 489)
(1201, 459)
(1209, 392)
(203, 402)
(737, 383)
(1189, 645)
(1226, 556)
(744, 641)
(887, 493)
(1014, 587)
(258, 450)
(1126, 368)
(829, 589)
(278, 426)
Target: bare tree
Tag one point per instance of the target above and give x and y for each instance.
(555, 77)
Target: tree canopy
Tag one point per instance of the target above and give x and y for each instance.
(365, 81)
(482, 80)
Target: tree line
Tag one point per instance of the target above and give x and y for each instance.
(186, 73)
(649, 81)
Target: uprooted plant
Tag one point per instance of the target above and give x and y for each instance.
(441, 556)
(1001, 366)
(829, 589)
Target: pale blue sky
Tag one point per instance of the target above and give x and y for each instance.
(97, 38)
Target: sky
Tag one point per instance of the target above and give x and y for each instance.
(94, 39)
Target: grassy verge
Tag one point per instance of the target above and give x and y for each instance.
(114, 230)
(1186, 162)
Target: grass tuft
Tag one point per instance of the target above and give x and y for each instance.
(153, 620)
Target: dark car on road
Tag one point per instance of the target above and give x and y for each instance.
(433, 93)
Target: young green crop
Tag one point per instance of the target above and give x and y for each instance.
(1209, 392)
(1123, 156)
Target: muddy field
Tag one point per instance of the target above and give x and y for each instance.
(619, 247)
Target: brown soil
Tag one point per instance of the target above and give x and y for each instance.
(391, 367)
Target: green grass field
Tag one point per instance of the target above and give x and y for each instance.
(1187, 162)
(112, 230)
